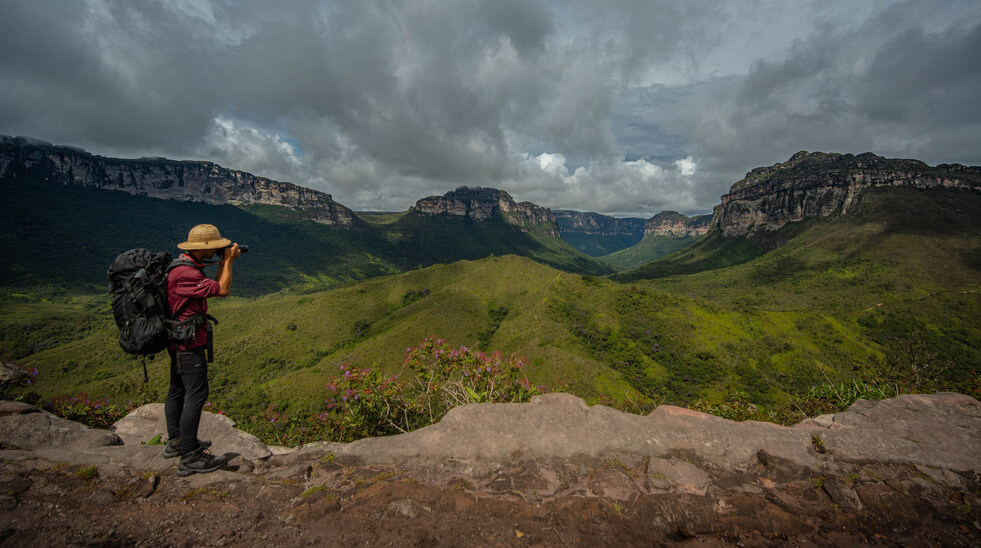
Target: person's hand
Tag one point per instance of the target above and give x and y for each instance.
(232, 253)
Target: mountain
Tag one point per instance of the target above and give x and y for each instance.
(762, 212)
(23, 159)
(664, 234)
(65, 240)
(817, 184)
(473, 222)
(482, 204)
(299, 237)
(674, 224)
(595, 234)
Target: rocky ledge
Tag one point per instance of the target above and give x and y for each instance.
(597, 224)
(554, 471)
(481, 204)
(816, 184)
(24, 159)
(675, 225)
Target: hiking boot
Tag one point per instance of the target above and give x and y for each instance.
(199, 462)
(173, 447)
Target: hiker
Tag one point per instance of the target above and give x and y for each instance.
(188, 290)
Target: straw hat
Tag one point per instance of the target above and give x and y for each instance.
(204, 237)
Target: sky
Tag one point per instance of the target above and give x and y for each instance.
(623, 107)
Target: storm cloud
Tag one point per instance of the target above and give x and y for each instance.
(622, 107)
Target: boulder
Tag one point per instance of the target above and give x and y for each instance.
(146, 422)
(16, 408)
(10, 374)
(30, 428)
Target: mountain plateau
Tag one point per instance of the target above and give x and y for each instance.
(206, 182)
(818, 184)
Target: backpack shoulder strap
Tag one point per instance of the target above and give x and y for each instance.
(182, 261)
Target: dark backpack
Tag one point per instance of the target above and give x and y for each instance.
(138, 285)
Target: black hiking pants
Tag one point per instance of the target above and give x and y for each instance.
(186, 397)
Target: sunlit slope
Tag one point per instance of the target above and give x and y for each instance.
(903, 265)
(581, 334)
(285, 345)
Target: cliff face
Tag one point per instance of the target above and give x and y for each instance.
(482, 204)
(819, 184)
(596, 224)
(161, 178)
(676, 225)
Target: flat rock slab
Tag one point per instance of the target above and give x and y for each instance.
(562, 426)
(147, 422)
(26, 429)
(938, 431)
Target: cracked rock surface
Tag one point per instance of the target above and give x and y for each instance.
(550, 472)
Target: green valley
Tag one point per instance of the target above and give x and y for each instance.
(763, 314)
(839, 293)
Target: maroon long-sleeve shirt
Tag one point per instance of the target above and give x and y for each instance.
(187, 284)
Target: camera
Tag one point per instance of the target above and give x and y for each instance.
(243, 248)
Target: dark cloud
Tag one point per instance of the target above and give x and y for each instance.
(900, 84)
(571, 104)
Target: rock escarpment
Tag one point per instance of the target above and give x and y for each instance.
(481, 204)
(597, 224)
(817, 184)
(903, 471)
(29, 160)
(676, 225)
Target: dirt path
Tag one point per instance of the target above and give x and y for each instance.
(311, 500)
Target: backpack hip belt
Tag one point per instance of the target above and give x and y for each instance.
(184, 331)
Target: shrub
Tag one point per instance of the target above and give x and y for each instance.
(362, 402)
(91, 413)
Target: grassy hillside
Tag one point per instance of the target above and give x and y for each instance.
(284, 346)
(647, 250)
(902, 267)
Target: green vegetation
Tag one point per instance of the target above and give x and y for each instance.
(87, 472)
(599, 245)
(647, 250)
(364, 402)
(777, 326)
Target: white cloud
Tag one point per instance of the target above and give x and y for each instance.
(245, 148)
(686, 166)
(553, 164)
